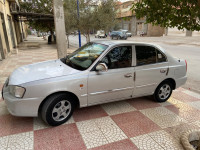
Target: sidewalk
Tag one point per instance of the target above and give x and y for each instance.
(172, 40)
(132, 124)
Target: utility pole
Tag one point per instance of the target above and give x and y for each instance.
(59, 21)
(79, 33)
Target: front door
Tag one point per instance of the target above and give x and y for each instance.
(117, 83)
(151, 69)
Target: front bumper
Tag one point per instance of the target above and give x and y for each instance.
(25, 107)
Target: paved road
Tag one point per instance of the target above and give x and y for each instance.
(192, 55)
(189, 52)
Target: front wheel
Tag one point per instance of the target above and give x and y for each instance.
(163, 92)
(57, 109)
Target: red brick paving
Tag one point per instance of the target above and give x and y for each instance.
(135, 123)
(143, 103)
(183, 97)
(119, 145)
(178, 108)
(61, 137)
(185, 111)
(13, 125)
(89, 113)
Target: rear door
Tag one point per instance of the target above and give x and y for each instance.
(151, 69)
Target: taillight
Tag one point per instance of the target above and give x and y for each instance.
(186, 65)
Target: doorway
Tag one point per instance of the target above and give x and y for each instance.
(1, 50)
(5, 32)
(11, 32)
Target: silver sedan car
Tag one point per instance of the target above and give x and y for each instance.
(98, 72)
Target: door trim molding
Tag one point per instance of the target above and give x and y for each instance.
(146, 85)
(111, 91)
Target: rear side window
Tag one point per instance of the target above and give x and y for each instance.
(161, 57)
(148, 55)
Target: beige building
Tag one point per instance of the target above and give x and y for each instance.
(12, 31)
(128, 21)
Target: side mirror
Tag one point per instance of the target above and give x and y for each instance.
(101, 67)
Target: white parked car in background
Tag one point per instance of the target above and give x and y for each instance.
(100, 34)
(98, 72)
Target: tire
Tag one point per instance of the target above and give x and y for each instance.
(163, 92)
(54, 103)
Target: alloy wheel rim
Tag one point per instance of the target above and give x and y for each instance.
(61, 110)
(164, 91)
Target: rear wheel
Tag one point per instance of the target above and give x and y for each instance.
(57, 109)
(163, 92)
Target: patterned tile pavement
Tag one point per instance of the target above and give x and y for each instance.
(132, 124)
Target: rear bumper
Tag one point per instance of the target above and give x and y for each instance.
(25, 107)
(181, 81)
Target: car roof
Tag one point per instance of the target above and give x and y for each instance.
(111, 43)
(117, 42)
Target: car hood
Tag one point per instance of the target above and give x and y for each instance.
(39, 71)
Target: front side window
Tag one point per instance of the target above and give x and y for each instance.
(148, 55)
(119, 57)
(84, 57)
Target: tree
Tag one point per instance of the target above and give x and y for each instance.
(107, 14)
(40, 7)
(93, 16)
(88, 17)
(71, 20)
(170, 13)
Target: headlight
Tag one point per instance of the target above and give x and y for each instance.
(17, 91)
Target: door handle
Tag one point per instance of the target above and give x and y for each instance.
(128, 75)
(163, 70)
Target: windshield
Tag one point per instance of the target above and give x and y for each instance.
(84, 57)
